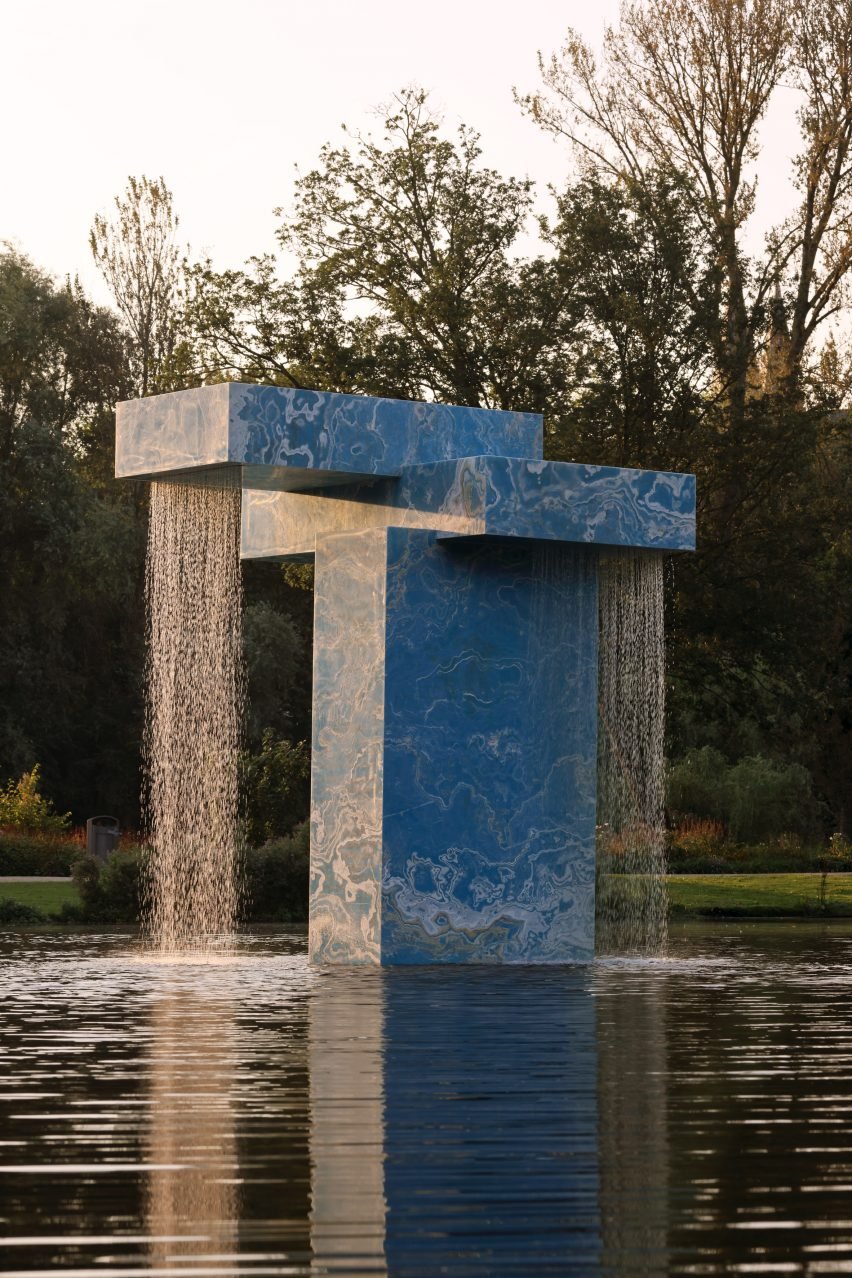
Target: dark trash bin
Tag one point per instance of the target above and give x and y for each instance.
(102, 835)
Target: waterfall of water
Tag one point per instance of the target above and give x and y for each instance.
(193, 711)
(631, 909)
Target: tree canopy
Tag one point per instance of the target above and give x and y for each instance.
(630, 314)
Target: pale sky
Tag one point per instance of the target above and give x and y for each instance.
(224, 100)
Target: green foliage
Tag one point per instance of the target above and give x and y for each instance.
(696, 784)
(407, 283)
(71, 549)
(141, 262)
(121, 882)
(24, 854)
(755, 798)
(638, 358)
(23, 807)
(16, 913)
(765, 799)
(111, 893)
(277, 784)
(275, 882)
(277, 879)
(86, 873)
(275, 659)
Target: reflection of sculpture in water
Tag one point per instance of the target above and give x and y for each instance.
(632, 1129)
(345, 1053)
(454, 1122)
(192, 1202)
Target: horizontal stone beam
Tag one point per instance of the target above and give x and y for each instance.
(483, 496)
(294, 439)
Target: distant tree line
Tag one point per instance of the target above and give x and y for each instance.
(640, 326)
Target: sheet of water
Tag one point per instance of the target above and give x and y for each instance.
(195, 694)
(255, 1115)
(631, 892)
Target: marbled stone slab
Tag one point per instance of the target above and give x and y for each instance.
(490, 751)
(454, 751)
(475, 496)
(301, 438)
(454, 732)
(348, 749)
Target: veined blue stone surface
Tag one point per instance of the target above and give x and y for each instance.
(448, 724)
(476, 496)
(455, 653)
(348, 749)
(301, 438)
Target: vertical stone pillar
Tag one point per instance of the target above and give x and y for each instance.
(453, 805)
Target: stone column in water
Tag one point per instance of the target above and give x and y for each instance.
(455, 657)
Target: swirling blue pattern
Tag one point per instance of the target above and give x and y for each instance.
(304, 437)
(451, 711)
(455, 653)
(475, 496)
(489, 785)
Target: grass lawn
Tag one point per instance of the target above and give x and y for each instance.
(793, 894)
(41, 895)
(796, 895)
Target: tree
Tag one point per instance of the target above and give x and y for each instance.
(637, 365)
(406, 283)
(71, 548)
(684, 87)
(140, 260)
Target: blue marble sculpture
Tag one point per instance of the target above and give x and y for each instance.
(455, 652)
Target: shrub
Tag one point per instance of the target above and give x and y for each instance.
(755, 798)
(121, 884)
(111, 893)
(275, 883)
(16, 912)
(277, 786)
(23, 807)
(764, 799)
(277, 879)
(33, 854)
(696, 785)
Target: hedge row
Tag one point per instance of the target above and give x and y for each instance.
(275, 885)
(33, 854)
(762, 858)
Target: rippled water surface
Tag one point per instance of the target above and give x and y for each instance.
(257, 1116)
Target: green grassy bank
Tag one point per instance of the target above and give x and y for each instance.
(792, 895)
(690, 895)
(40, 894)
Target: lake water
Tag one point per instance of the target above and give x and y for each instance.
(691, 1115)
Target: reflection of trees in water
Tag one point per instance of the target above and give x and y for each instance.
(632, 1129)
(192, 1201)
(345, 1061)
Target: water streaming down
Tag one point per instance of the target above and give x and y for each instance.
(631, 891)
(195, 695)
